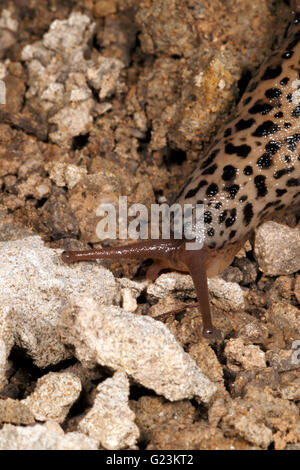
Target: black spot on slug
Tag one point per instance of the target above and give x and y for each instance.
(260, 108)
(252, 86)
(210, 159)
(229, 172)
(272, 72)
(260, 183)
(244, 124)
(272, 147)
(207, 217)
(265, 161)
(232, 234)
(278, 174)
(210, 170)
(248, 170)
(248, 213)
(212, 190)
(272, 93)
(292, 141)
(280, 192)
(231, 219)
(296, 111)
(222, 216)
(293, 182)
(266, 129)
(193, 192)
(232, 190)
(284, 81)
(287, 54)
(247, 100)
(241, 150)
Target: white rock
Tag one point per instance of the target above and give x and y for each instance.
(277, 249)
(72, 121)
(80, 94)
(54, 93)
(141, 346)
(62, 52)
(8, 21)
(6, 340)
(53, 396)
(129, 302)
(38, 437)
(249, 356)
(230, 293)
(68, 34)
(110, 420)
(34, 285)
(64, 174)
(166, 283)
(105, 76)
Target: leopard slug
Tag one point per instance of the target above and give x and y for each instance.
(251, 171)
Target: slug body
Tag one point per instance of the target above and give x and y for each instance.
(251, 171)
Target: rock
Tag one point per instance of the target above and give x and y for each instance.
(72, 122)
(152, 412)
(104, 7)
(57, 218)
(260, 418)
(62, 50)
(7, 340)
(105, 76)
(253, 332)
(188, 88)
(110, 419)
(194, 436)
(38, 437)
(297, 288)
(247, 268)
(284, 360)
(286, 317)
(34, 285)
(207, 361)
(129, 303)
(15, 90)
(249, 356)
(65, 50)
(7, 40)
(64, 174)
(85, 198)
(232, 274)
(177, 283)
(15, 412)
(228, 295)
(277, 249)
(53, 396)
(142, 347)
(290, 385)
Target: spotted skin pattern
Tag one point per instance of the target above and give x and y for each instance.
(253, 168)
